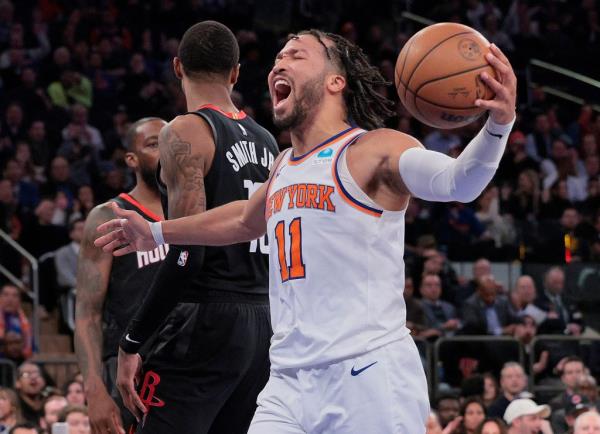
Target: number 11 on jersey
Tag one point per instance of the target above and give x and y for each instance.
(296, 268)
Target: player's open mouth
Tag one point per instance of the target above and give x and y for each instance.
(282, 91)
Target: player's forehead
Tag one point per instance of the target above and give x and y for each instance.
(304, 43)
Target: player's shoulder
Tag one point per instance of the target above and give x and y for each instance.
(384, 139)
(188, 127)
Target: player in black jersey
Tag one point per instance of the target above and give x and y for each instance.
(207, 366)
(110, 289)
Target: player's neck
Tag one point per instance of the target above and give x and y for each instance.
(199, 94)
(147, 197)
(317, 128)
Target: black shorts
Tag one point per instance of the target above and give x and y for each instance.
(207, 366)
(110, 381)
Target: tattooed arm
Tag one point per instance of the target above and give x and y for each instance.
(93, 273)
(186, 152)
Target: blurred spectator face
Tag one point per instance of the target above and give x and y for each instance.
(45, 212)
(61, 56)
(559, 150)
(37, 131)
(569, 219)
(6, 192)
(348, 31)
(587, 423)
(586, 385)
(23, 153)
(481, 267)
(59, 169)
(85, 195)
(513, 379)
(79, 423)
(431, 287)
(14, 114)
(447, 410)
(589, 145)
(114, 179)
(13, 345)
(516, 142)
(433, 265)
(52, 409)
(13, 171)
(28, 77)
(10, 299)
(593, 187)
(555, 281)
(487, 289)
(592, 165)
(30, 381)
(526, 289)
(526, 331)
(491, 427)
(542, 124)
(490, 388)
(79, 115)
(561, 190)
(529, 424)
(7, 407)
(474, 415)
(75, 394)
(409, 288)
(571, 372)
(137, 64)
(96, 60)
(76, 233)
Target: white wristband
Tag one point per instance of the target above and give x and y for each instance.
(157, 233)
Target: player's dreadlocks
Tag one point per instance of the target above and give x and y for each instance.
(366, 107)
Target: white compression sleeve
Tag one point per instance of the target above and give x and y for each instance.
(437, 177)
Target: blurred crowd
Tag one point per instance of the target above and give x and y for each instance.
(75, 74)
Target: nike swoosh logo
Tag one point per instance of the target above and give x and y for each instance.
(355, 372)
(499, 136)
(128, 339)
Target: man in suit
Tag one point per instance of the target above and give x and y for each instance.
(440, 314)
(562, 316)
(65, 258)
(486, 313)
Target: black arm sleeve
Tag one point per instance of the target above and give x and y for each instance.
(173, 277)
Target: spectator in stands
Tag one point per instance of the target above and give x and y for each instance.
(496, 35)
(539, 141)
(563, 419)
(52, 408)
(77, 418)
(486, 313)
(562, 317)
(571, 369)
(25, 428)
(415, 316)
(29, 385)
(586, 385)
(41, 236)
(75, 393)
(448, 408)
(472, 415)
(41, 151)
(481, 267)
(560, 165)
(440, 315)
(522, 298)
(73, 87)
(524, 203)
(460, 230)
(79, 133)
(59, 179)
(65, 258)
(26, 192)
(10, 410)
(13, 318)
(524, 416)
(490, 389)
(491, 426)
(515, 160)
(442, 141)
(513, 383)
(587, 423)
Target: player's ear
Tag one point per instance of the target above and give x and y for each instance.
(336, 83)
(131, 160)
(177, 68)
(235, 73)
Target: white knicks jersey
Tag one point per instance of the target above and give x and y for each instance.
(336, 268)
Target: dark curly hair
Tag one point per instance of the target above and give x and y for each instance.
(365, 106)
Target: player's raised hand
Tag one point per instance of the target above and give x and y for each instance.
(128, 233)
(502, 107)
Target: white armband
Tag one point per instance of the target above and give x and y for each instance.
(437, 177)
(157, 233)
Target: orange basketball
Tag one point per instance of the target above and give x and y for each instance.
(438, 75)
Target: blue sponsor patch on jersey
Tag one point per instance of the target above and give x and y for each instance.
(325, 153)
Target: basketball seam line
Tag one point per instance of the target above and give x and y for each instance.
(448, 76)
(404, 64)
(429, 52)
(439, 105)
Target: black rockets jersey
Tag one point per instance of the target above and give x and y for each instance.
(244, 154)
(130, 278)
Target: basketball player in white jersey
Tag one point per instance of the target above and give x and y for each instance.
(342, 360)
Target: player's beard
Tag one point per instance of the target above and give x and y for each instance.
(310, 95)
(148, 174)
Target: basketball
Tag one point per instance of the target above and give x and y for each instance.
(438, 75)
